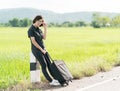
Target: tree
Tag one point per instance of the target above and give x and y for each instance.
(26, 22)
(100, 21)
(80, 24)
(20, 23)
(96, 20)
(67, 24)
(14, 22)
(51, 24)
(104, 21)
(116, 21)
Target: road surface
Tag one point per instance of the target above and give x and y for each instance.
(103, 81)
(112, 84)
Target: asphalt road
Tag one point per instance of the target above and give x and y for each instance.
(112, 84)
(102, 81)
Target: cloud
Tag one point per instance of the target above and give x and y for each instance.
(65, 5)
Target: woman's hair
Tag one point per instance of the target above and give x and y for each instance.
(38, 17)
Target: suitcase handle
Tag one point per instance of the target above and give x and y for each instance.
(47, 54)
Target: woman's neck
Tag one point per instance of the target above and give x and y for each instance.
(35, 25)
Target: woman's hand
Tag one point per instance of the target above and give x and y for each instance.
(44, 25)
(44, 51)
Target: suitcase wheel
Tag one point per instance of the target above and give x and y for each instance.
(62, 85)
(65, 84)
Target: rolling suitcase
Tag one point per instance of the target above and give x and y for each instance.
(60, 71)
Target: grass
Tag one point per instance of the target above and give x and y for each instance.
(86, 51)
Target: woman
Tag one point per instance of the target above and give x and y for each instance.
(37, 46)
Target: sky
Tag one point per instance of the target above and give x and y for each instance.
(64, 6)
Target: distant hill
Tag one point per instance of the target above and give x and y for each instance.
(7, 14)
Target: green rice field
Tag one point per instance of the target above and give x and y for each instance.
(86, 51)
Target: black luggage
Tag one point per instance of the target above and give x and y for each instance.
(60, 71)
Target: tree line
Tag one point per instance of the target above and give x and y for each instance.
(98, 21)
(104, 21)
(15, 22)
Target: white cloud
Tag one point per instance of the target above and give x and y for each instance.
(65, 5)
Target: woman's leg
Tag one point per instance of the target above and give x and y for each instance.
(48, 61)
(43, 63)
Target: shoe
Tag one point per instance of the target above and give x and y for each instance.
(55, 83)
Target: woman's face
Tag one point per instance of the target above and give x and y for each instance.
(39, 22)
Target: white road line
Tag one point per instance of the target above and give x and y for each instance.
(91, 86)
